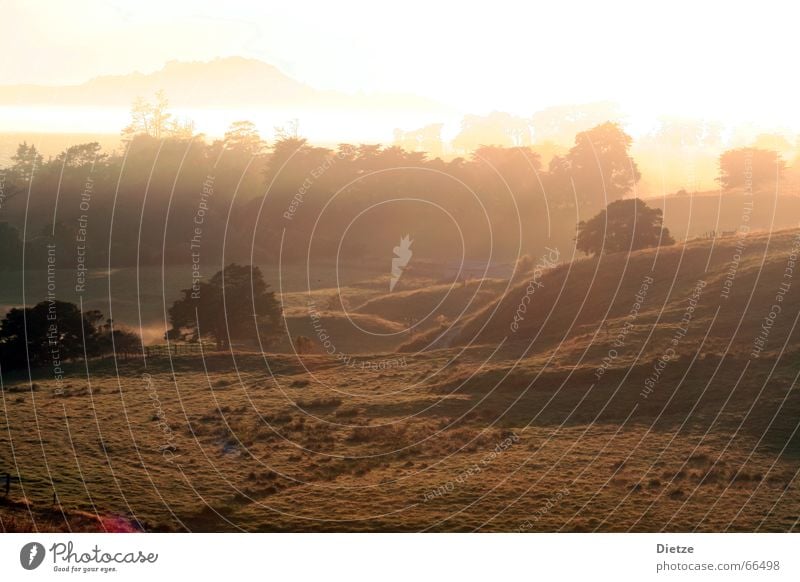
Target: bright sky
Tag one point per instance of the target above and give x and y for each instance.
(729, 60)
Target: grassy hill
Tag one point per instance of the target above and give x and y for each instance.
(588, 302)
(656, 420)
(692, 215)
(425, 305)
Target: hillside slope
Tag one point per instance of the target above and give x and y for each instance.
(666, 419)
(732, 282)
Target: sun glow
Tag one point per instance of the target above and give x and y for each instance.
(652, 60)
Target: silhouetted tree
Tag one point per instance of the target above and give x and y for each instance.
(154, 119)
(48, 334)
(234, 305)
(599, 166)
(756, 167)
(26, 161)
(289, 131)
(242, 137)
(625, 225)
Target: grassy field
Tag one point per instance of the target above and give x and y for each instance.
(575, 421)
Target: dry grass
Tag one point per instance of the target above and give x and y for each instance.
(351, 450)
(452, 440)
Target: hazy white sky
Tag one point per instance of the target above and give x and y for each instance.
(721, 59)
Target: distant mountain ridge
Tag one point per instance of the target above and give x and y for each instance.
(223, 82)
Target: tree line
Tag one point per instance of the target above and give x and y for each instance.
(235, 306)
(168, 190)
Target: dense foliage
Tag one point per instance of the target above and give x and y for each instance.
(625, 225)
